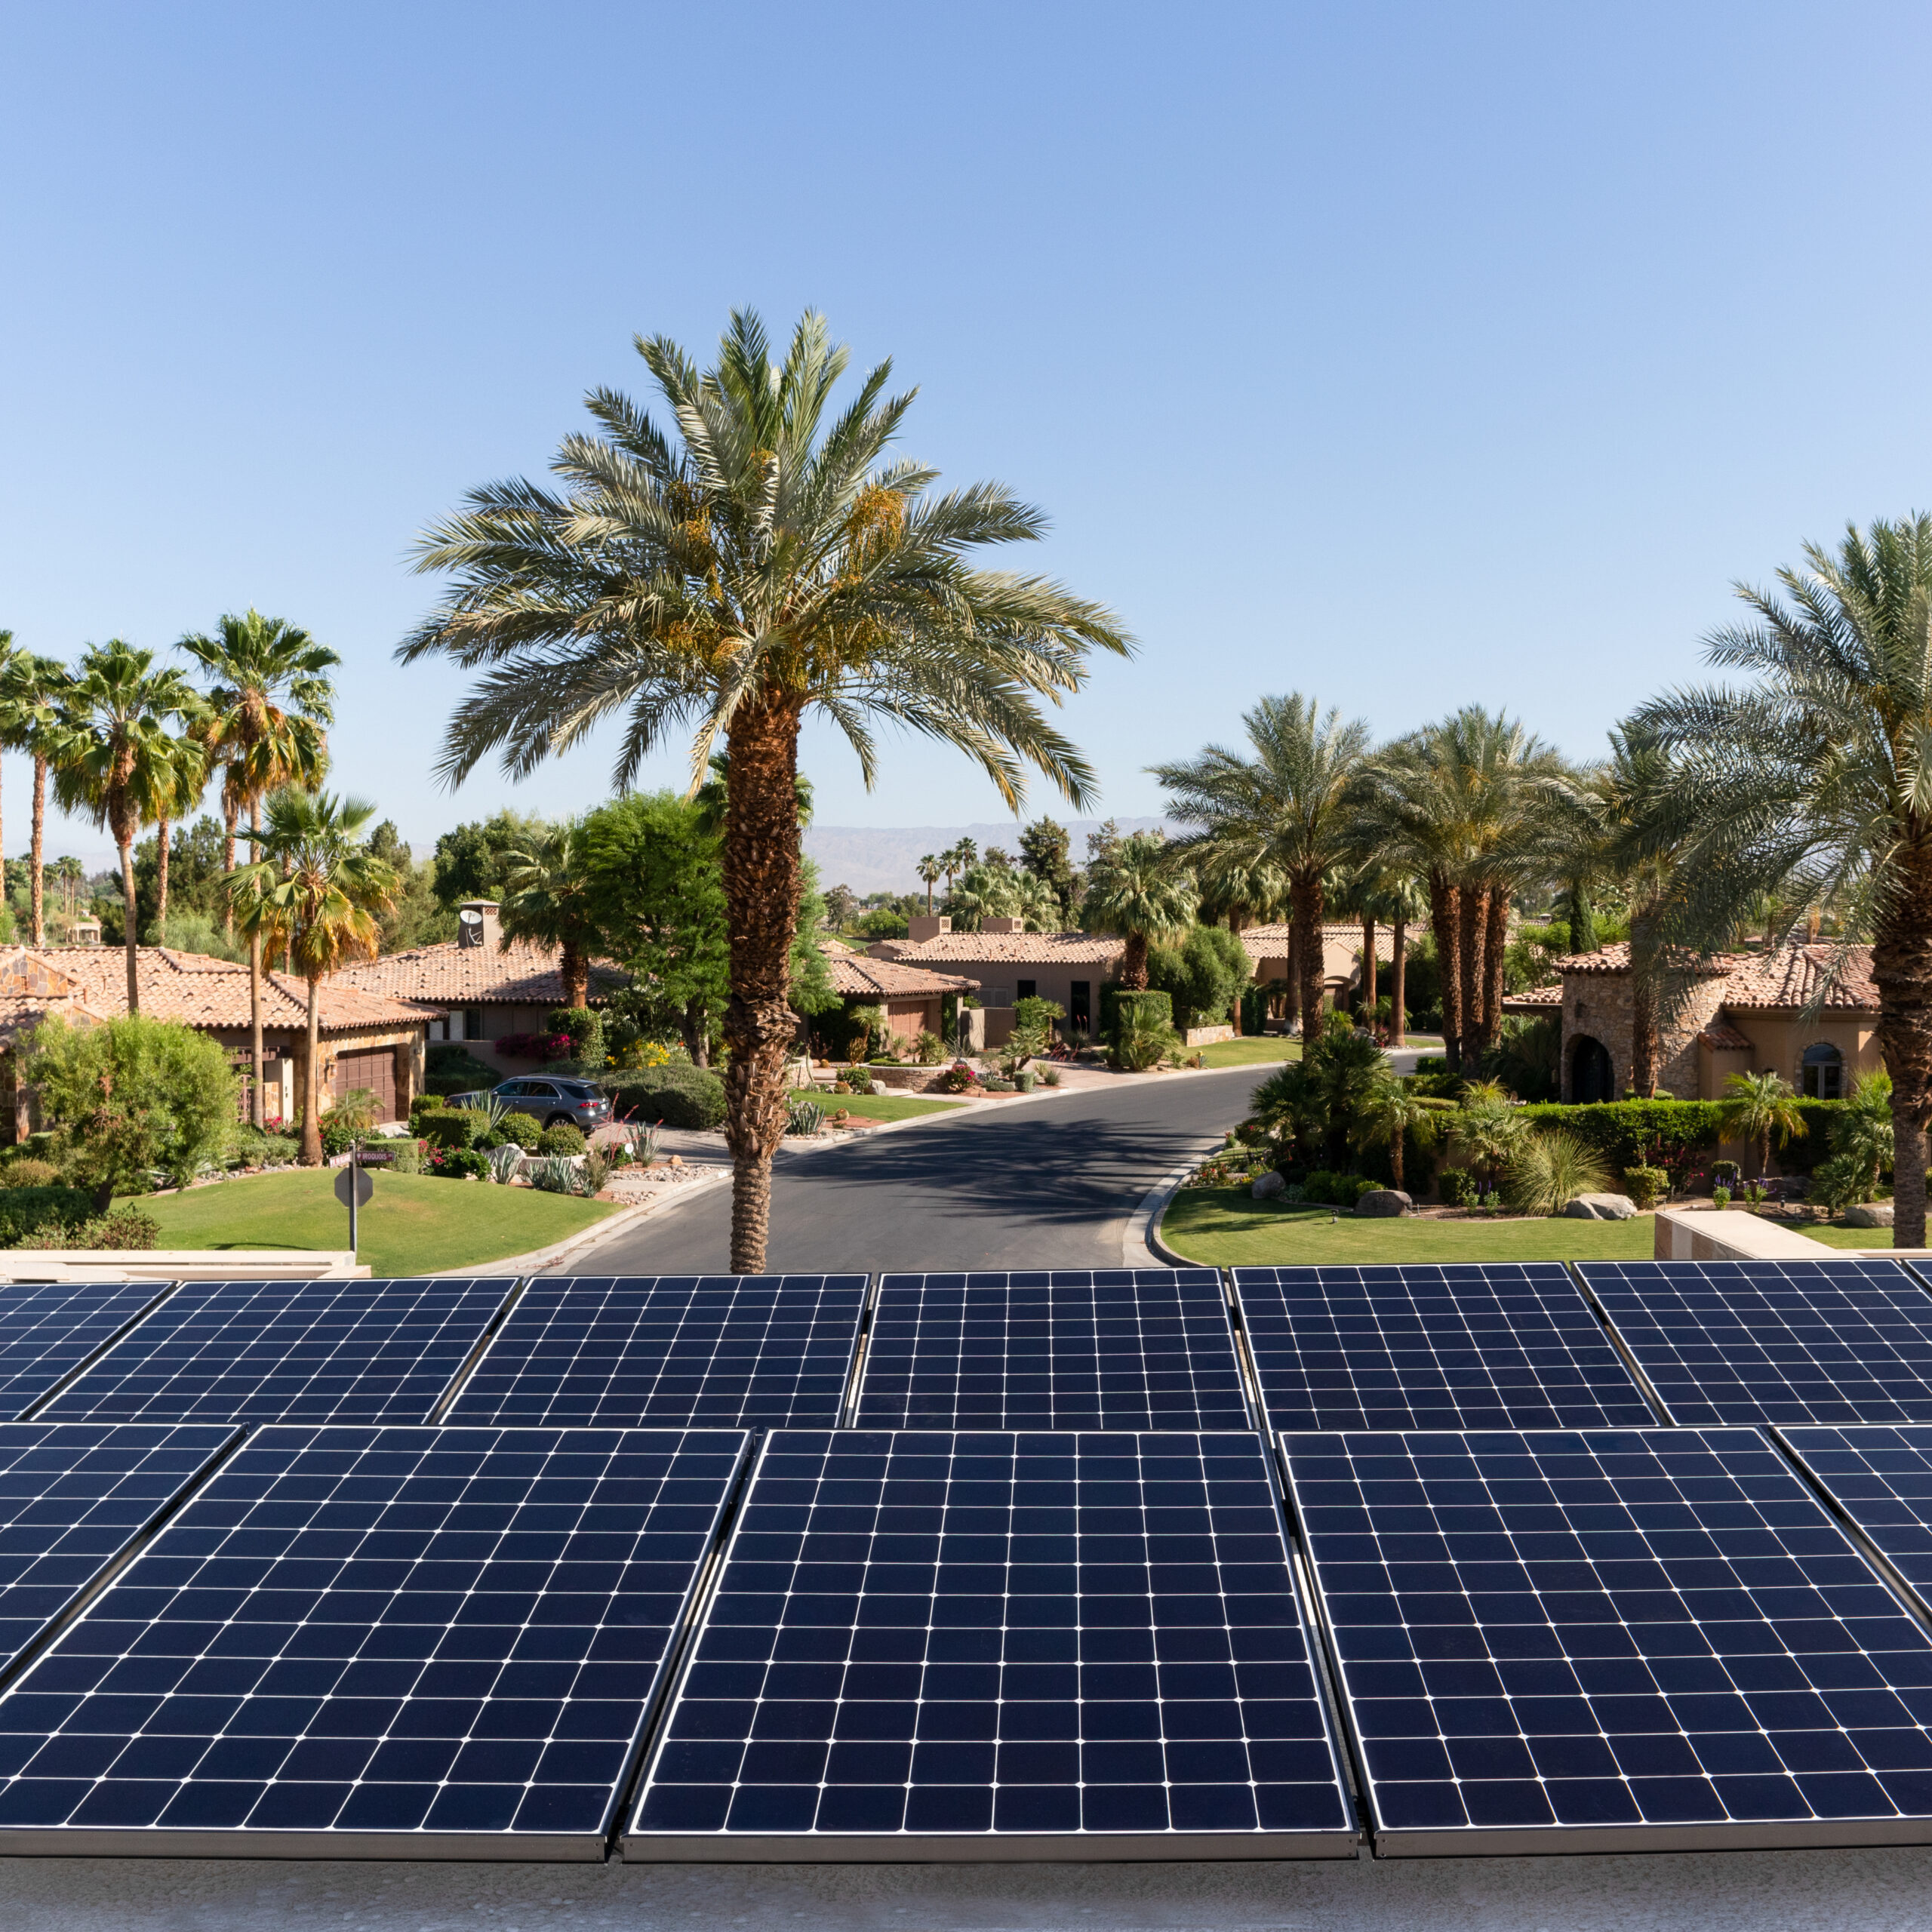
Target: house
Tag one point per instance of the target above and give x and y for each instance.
(1341, 956)
(1010, 964)
(910, 994)
(368, 1040)
(476, 989)
(1737, 1013)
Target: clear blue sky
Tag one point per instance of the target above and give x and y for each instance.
(1406, 355)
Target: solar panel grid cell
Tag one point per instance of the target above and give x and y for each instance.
(1753, 1342)
(47, 1329)
(1495, 1345)
(1118, 1349)
(728, 1351)
(1626, 1639)
(1089, 1644)
(393, 1642)
(1881, 1477)
(348, 1352)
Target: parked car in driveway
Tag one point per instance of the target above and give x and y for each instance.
(548, 1100)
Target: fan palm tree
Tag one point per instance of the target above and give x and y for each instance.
(1756, 1106)
(1135, 890)
(316, 888)
(929, 869)
(114, 758)
(269, 710)
(1392, 1115)
(32, 692)
(179, 782)
(1283, 804)
(546, 899)
(1814, 781)
(760, 562)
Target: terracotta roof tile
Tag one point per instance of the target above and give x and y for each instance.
(1615, 958)
(1016, 949)
(1789, 976)
(1271, 942)
(522, 974)
(1535, 999)
(1720, 1036)
(855, 975)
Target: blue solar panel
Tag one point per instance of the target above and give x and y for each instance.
(1000, 1645)
(374, 1643)
(1610, 1639)
(737, 1351)
(1146, 1348)
(1750, 1342)
(73, 1496)
(1881, 1477)
(261, 1352)
(47, 1329)
(1497, 1345)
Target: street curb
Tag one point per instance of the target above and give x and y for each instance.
(539, 1260)
(1141, 1235)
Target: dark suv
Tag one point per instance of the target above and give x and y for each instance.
(548, 1101)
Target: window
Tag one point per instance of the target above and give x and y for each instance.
(1029, 989)
(472, 1023)
(1080, 1006)
(1821, 1073)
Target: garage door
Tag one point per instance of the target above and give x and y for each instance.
(376, 1072)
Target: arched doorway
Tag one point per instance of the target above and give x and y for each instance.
(1592, 1077)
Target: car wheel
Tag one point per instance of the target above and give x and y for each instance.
(559, 1120)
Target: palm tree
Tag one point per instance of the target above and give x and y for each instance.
(1811, 782)
(315, 887)
(1137, 890)
(759, 564)
(929, 869)
(115, 760)
(179, 782)
(546, 900)
(32, 692)
(268, 711)
(1390, 1114)
(1486, 1129)
(1284, 805)
(1756, 1106)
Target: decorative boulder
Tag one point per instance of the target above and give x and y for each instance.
(1871, 1214)
(1601, 1207)
(1385, 1203)
(878, 1086)
(1269, 1186)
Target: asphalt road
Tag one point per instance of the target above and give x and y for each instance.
(1046, 1183)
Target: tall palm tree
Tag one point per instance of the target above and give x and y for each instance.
(1284, 804)
(929, 868)
(32, 692)
(1136, 890)
(1756, 1106)
(179, 782)
(315, 887)
(268, 708)
(115, 757)
(760, 562)
(546, 899)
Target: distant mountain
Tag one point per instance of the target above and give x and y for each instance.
(877, 859)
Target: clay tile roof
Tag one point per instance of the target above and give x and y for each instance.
(1720, 1036)
(855, 975)
(1535, 999)
(1016, 949)
(1271, 942)
(1792, 975)
(522, 974)
(1615, 958)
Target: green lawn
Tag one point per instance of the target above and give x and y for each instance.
(1226, 1228)
(877, 1106)
(1258, 1050)
(1845, 1237)
(416, 1223)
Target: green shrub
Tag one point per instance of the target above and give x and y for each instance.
(957, 1078)
(1432, 1063)
(409, 1154)
(30, 1173)
(1841, 1181)
(452, 1128)
(1548, 1171)
(1142, 1038)
(250, 1147)
(459, 1163)
(25, 1212)
(125, 1228)
(1645, 1186)
(583, 1029)
(1114, 999)
(804, 1117)
(677, 1096)
(562, 1139)
(519, 1129)
(1456, 1187)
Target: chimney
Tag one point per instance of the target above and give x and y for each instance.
(926, 925)
(476, 923)
(1002, 925)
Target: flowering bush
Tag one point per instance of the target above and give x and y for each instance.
(458, 1163)
(534, 1046)
(957, 1078)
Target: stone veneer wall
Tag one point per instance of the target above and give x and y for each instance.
(1598, 1005)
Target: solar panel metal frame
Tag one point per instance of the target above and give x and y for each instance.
(243, 1318)
(525, 1331)
(118, 1307)
(364, 1843)
(1511, 1840)
(875, 1408)
(1904, 1561)
(1265, 1296)
(993, 1845)
(1671, 1375)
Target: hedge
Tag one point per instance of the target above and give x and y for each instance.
(1114, 997)
(26, 1211)
(453, 1127)
(677, 1095)
(1675, 1133)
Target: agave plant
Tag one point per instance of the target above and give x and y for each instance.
(504, 1162)
(806, 1117)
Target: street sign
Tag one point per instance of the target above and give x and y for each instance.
(374, 1157)
(364, 1185)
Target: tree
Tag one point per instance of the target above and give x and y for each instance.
(1284, 803)
(546, 898)
(1486, 1129)
(116, 761)
(473, 860)
(33, 691)
(1045, 845)
(1392, 1114)
(1203, 975)
(180, 778)
(760, 564)
(315, 887)
(841, 903)
(929, 869)
(1756, 1106)
(1138, 891)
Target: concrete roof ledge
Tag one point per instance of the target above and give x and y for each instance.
(1734, 1235)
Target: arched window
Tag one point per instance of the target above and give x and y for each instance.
(1822, 1071)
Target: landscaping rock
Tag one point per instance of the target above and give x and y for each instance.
(1601, 1207)
(1269, 1186)
(878, 1086)
(1872, 1214)
(1385, 1204)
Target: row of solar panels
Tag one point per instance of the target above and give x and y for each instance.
(526, 1643)
(1487, 1346)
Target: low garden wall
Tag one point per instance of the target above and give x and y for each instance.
(1206, 1036)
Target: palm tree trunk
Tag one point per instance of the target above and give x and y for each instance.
(1643, 1007)
(133, 942)
(228, 818)
(311, 1083)
(762, 906)
(1473, 925)
(1445, 920)
(1395, 1157)
(574, 969)
(1496, 943)
(1291, 1005)
(694, 1024)
(161, 883)
(1133, 964)
(255, 997)
(1397, 969)
(1368, 970)
(1901, 967)
(38, 885)
(1305, 897)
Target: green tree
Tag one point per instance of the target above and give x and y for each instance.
(929, 869)
(761, 564)
(1390, 1114)
(1046, 846)
(1203, 975)
(1756, 1106)
(1138, 891)
(1487, 1129)
(547, 898)
(473, 860)
(316, 888)
(33, 692)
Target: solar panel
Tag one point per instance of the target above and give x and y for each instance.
(49, 1329)
(73, 1496)
(1881, 1477)
(1748, 1342)
(1500, 1344)
(1612, 1639)
(738, 1351)
(261, 1352)
(374, 1643)
(1147, 1348)
(1038, 1645)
